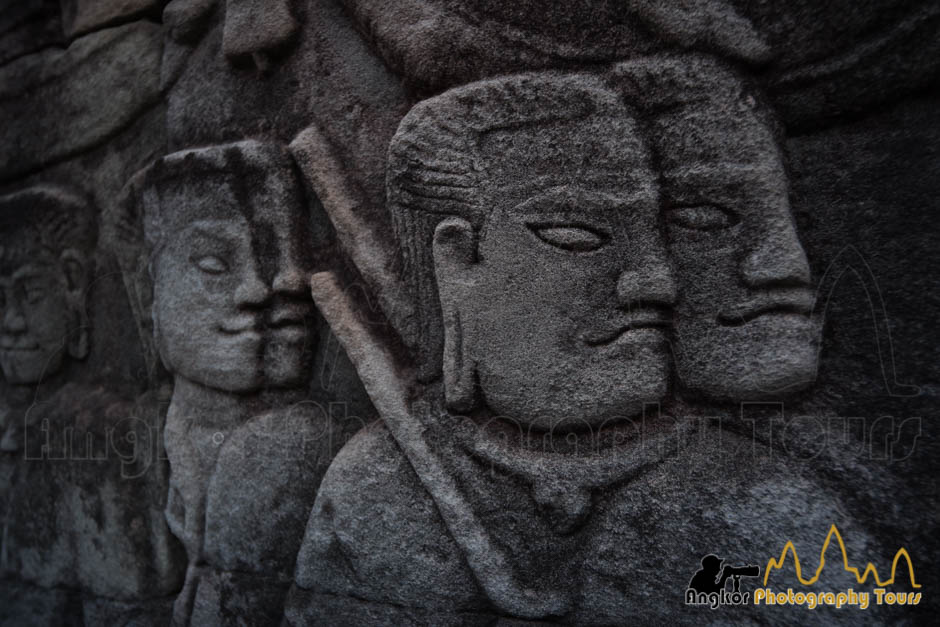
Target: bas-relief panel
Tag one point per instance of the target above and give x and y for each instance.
(557, 281)
(226, 240)
(580, 248)
(82, 480)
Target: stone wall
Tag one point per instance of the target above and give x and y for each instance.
(466, 311)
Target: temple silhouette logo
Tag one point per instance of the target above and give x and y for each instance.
(709, 584)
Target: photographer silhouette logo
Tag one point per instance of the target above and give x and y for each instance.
(709, 584)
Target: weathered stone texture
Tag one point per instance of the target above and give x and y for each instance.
(27, 26)
(465, 312)
(84, 16)
(66, 101)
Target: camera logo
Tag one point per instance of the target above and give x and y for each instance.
(709, 584)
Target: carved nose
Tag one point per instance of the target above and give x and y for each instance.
(252, 291)
(651, 284)
(291, 280)
(777, 259)
(13, 320)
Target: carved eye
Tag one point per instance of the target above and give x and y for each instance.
(702, 218)
(34, 293)
(570, 237)
(211, 264)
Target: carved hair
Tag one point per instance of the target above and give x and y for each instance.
(657, 84)
(436, 169)
(52, 217)
(249, 167)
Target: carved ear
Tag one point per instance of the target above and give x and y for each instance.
(157, 330)
(74, 267)
(454, 256)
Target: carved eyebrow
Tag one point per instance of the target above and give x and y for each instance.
(212, 235)
(695, 172)
(566, 198)
(31, 271)
(722, 185)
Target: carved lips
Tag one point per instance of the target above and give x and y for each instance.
(799, 302)
(645, 317)
(246, 325)
(18, 348)
(287, 322)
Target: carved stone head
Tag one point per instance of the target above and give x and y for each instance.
(527, 208)
(743, 327)
(226, 233)
(47, 239)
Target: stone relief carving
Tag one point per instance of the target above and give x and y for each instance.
(226, 239)
(46, 246)
(46, 255)
(510, 165)
(510, 445)
(743, 327)
(65, 492)
(579, 254)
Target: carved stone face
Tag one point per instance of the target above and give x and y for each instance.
(561, 302)
(36, 319)
(743, 328)
(231, 308)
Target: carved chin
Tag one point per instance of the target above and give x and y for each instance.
(230, 374)
(595, 394)
(763, 360)
(25, 367)
(286, 368)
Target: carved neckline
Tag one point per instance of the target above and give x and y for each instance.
(613, 454)
(562, 482)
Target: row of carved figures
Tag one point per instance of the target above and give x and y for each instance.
(568, 250)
